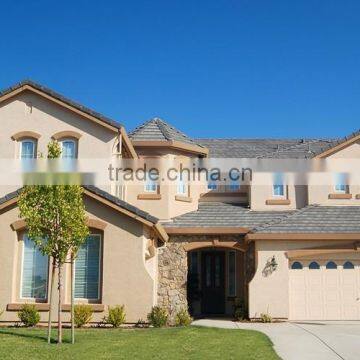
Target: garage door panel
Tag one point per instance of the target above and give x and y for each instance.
(324, 293)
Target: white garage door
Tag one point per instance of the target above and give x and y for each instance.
(324, 289)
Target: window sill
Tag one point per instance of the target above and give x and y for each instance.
(277, 202)
(18, 306)
(229, 193)
(183, 198)
(340, 196)
(149, 196)
(94, 307)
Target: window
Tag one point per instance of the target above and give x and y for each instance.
(234, 185)
(296, 265)
(278, 186)
(331, 265)
(348, 265)
(150, 182)
(340, 183)
(314, 266)
(194, 263)
(27, 149)
(212, 185)
(34, 272)
(68, 149)
(232, 273)
(182, 187)
(87, 269)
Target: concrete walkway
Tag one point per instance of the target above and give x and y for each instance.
(323, 340)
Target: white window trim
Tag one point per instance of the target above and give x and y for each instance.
(149, 182)
(276, 195)
(100, 273)
(45, 299)
(228, 272)
(75, 142)
(33, 141)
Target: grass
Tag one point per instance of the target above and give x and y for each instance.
(171, 343)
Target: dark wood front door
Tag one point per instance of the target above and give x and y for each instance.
(213, 282)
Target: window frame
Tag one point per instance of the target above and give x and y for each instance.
(184, 185)
(33, 299)
(149, 182)
(340, 181)
(99, 297)
(75, 142)
(24, 140)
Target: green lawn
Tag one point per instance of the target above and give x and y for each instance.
(171, 343)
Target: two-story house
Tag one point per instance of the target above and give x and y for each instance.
(287, 250)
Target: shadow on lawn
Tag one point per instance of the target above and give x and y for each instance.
(30, 335)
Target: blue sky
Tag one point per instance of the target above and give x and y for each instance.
(214, 68)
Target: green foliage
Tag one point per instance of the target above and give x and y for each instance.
(265, 318)
(158, 317)
(82, 315)
(116, 316)
(28, 315)
(183, 318)
(55, 213)
(141, 324)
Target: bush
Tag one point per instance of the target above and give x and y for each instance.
(116, 315)
(141, 324)
(158, 317)
(265, 318)
(82, 315)
(183, 318)
(240, 311)
(28, 315)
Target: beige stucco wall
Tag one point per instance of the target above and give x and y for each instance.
(127, 278)
(270, 294)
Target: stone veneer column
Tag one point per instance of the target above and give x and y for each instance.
(172, 280)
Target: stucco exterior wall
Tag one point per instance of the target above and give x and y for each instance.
(126, 277)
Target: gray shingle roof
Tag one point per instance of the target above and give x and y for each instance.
(103, 194)
(157, 129)
(219, 214)
(316, 219)
(265, 148)
(64, 99)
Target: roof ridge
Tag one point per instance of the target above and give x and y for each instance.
(286, 217)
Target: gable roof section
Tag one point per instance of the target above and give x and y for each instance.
(317, 221)
(265, 148)
(109, 200)
(220, 217)
(158, 133)
(338, 145)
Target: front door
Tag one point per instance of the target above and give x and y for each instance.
(213, 282)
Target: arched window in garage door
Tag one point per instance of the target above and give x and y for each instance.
(314, 266)
(348, 265)
(331, 265)
(296, 265)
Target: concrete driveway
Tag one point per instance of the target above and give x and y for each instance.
(321, 340)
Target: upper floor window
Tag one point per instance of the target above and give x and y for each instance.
(234, 185)
(151, 182)
(348, 265)
(87, 269)
(279, 188)
(182, 187)
(68, 149)
(296, 265)
(340, 183)
(212, 181)
(314, 266)
(34, 272)
(27, 148)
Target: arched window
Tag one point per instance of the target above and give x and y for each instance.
(331, 265)
(348, 265)
(296, 266)
(314, 266)
(28, 148)
(68, 149)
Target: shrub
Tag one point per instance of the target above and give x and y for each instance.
(183, 318)
(158, 317)
(28, 315)
(82, 315)
(116, 315)
(240, 311)
(141, 324)
(265, 318)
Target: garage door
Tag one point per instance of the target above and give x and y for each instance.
(324, 289)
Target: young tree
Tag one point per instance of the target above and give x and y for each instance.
(56, 222)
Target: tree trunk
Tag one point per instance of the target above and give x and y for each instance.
(59, 304)
(51, 301)
(72, 299)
